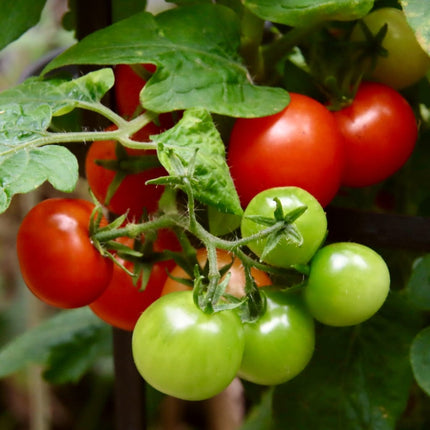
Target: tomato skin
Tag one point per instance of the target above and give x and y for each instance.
(406, 62)
(122, 303)
(184, 352)
(58, 262)
(132, 195)
(128, 85)
(348, 283)
(236, 285)
(380, 132)
(299, 146)
(280, 344)
(312, 225)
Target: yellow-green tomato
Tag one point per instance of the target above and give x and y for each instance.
(185, 353)
(347, 284)
(312, 225)
(406, 62)
(280, 344)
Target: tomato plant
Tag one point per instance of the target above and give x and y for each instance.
(380, 132)
(132, 194)
(124, 300)
(299, 146)
(348, 283)
(280, 344)
(300, 238)
(405, 62)
(236, 284)
(193, 355)
(70, 272)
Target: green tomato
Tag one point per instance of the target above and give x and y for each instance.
(347, 284)
(280, 344)
(406, 62)
(184, 352)
(312, 225)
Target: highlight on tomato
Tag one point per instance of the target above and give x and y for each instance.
(236, 285)
(348, 283)
(300, 146)
(184, 352)
(58, 261)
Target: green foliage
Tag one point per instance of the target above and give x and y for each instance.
(26, 112)
(62, 342)
(306, 12)
(17, 17)
(420, 359)
(418, 15)
(418, 286)
(198, 65)
(196, 145)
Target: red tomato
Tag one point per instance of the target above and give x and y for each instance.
(133, 194)
(128, 85)
(122, 303)
(299, 146)
(58, 262)
(236, 286)
(380, 131)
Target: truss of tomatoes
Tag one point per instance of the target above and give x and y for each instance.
(294, 160)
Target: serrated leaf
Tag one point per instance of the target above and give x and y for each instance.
(17, 17)
(418, 286)
(359, 377)
(306, 12)
(195, 139)
(70, 360)
(25, 115)
(195, 49)
(24, 171)
(34, 345)
(60, 95)
(420, 359)
(417, 14)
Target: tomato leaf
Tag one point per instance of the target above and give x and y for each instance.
(417, 13)
(418, 286)
(17, 17)
(70, 360)
(34, 345)
(420, 359)
(25, 115)
(307, 12)
(195, 49)
(359, 377)
(197, 143)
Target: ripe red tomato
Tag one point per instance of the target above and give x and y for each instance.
(299, 146)
(133, 194)
(122, 303)
(128, 85)
(380, 131)
(58, 262)
(236, 286)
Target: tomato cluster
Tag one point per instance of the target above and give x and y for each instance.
(307, 146)
(347, 283)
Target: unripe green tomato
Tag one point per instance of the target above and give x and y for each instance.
(407, 62)
(280, 344)
(186, 353)
(347, 284)
(312, 225)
